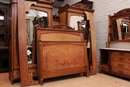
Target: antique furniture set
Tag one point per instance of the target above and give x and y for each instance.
(64, 45)
(115, 59)
(50, 54)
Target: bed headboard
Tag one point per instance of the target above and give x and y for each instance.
(59, 33)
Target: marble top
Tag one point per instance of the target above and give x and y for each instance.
(116, 49)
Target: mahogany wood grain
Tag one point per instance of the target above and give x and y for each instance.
(13, 61)
(24, 74)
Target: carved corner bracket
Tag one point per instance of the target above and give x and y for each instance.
(28, 4)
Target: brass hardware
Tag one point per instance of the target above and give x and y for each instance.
(121, 53)
(120, 71)
(120, 65)
(121, 58)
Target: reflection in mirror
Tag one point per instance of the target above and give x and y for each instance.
(34, 18)
(2, 29)
(74, 21)
(121, 29)
(125, 31)
(1, 17)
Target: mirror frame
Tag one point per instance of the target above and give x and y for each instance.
(45, 7)
(120, 14)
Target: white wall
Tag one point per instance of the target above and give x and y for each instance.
(55, 11)
(102, 9)
(70, 2)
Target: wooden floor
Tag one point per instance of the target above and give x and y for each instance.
(99, 80)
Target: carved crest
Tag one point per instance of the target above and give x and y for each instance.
(122, 12)
(28, 5)
(81, 6)
(62, 27)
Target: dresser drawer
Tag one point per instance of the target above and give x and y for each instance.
(120, 71)
(121, 65)
(120, 56)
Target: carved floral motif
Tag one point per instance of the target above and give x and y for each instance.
(59, 58)
(62, 27)
(81, 6)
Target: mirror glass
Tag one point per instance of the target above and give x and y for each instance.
(121, 28)
(2, 29)
(77, 22)
(34, 18)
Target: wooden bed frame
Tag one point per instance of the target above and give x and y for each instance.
(60, 52)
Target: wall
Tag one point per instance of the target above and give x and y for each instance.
(102, 9)
(70, 2)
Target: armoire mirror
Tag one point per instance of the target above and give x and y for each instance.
(35, 18)
(119, 26)
(75, 20)
(20, 68)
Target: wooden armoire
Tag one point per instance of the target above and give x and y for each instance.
(68, 15)
(19, 67)
(4, 37)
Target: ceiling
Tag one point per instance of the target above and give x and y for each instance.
(56, 4)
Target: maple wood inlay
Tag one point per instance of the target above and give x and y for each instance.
(62, 56)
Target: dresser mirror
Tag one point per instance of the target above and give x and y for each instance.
(75, 22)
(119, 26)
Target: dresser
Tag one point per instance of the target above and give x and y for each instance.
(115, 61)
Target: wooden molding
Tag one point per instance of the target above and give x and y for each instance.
(122, 12)
(93, 68)
(28, 5)
(26, 77)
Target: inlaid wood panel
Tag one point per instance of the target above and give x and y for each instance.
(59, 37)
(63, 56)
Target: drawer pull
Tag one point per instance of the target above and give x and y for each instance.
(120, 71)
(121, 53)
(120, 65)
(121, 58)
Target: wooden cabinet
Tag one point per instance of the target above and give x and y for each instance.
(70, 15)
(115, 61)
(4, 59)
(80, 17)
(4, 38)
(19, 67)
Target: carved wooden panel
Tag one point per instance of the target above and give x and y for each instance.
(59, 58)
(60, 52)
(63, 56)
